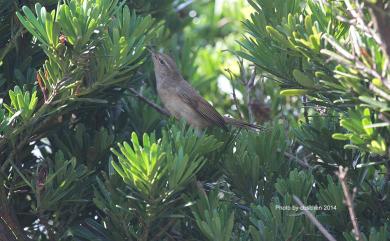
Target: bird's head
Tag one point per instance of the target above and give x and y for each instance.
(165, 67)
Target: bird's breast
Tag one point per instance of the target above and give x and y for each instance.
(179, 109)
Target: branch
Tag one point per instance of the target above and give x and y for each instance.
(163, 230)
(8, 47)
(249, 90)
(236, 102)
(297, 160)
(234, 94)
(379, 92)
(10, 228)
(313, 219)
(150, 103)
(342, 173)
(357, 63)
(358, 17)
(381, 20)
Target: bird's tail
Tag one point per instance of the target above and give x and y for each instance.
(242, 124)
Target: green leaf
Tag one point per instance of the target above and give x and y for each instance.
(303, 79)
(294, 92)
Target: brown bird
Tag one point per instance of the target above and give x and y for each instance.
(182, 101)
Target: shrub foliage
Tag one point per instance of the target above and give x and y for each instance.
(84, 156)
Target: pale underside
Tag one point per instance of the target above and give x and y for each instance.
(183, 102)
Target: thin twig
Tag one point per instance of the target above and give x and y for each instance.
(250, 84)
(234, 94)
(149, 102)
(236, 102)
(251, 81)
(164, 230)
(357, 14)
(379, 92)
(382, 37)
(313, 219)
(357, 63)
(341, 174)
(381, 19)
(297, 160)
(10, 228)
(8, 47)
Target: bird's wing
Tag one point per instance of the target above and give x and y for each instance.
(200, 105)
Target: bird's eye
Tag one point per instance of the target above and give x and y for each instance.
(161, 61)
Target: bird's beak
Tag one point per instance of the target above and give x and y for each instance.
(150, 50)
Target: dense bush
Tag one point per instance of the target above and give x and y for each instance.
(85, 154)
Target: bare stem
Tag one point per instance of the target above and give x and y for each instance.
(236, 102)
(10, 229)
(314, 220)
(149, 102)
(381, 20)
(234, 94)
(297, 160)
(249, 91)
(341, 174)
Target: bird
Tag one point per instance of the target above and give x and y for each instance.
(182, 101)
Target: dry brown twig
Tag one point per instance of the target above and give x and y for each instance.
(356, 12)
(314, 220)
(236, 103)
(381, 18)
(250, 84)
(150, 103)
(348, 199)
(375, 29)
(299, 161)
